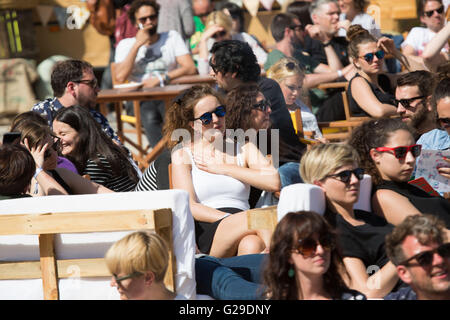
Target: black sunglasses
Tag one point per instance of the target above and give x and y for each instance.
(206, 118)
(425, 258)
(297, 27)
(407, 102)
(346, 175)
(202, 15)
(213, 66)
(91, 83)
(55, 146)
(369, 56)
(219, 34)
(263, 105)
(307, 247)
(444, 122)
(152, 17)
(290, 66)
(401, 152)
(128, 276)
(431, 12)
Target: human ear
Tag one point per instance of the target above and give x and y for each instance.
(374, 155)
(149, 278)
(404, 274)
(320, 184)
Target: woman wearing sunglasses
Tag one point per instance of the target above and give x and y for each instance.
(334, 168)
(48, 178)
(388, 153)
(304, 262)
(217, 172)
(218, 27)
(138, 263)
(369, 91)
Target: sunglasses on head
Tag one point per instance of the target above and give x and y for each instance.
(346, 175)
(308, 247)
(401, 152)
(407, 102)
(431, 12)
(219, 34)
(206, 118)
(444, 122)
(152, 17)
(263, 105)
(55, 146)
(128, 276)
(425, 258)
(369, 56)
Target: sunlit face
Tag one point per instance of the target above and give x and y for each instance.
(317, 264)
(443, 111)
(68, 137)
(147, 17)
(391, 168)
(346, 5)
(437, 20)
(291, 88)
(205, 105)
(339, 192)
(260, 119)
(87, 89)
(130, 289)
(430, 280)
(416, 112)
(375, 65)
(327, 18)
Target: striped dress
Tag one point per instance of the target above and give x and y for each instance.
(102, 175)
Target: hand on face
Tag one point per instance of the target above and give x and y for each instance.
(37, 153)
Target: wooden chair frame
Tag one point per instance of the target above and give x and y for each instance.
(47, 225)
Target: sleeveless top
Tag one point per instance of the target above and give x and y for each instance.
(220, 191)
(383, 97)
(420, 199)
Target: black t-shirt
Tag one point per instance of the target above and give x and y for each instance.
(420, 199)
(317, 52)
(367, 241)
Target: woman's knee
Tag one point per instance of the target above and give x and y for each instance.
(251, 244)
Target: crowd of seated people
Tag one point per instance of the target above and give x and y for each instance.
(65, 146)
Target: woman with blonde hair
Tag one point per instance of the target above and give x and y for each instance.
(217, 172)
(218, 27)
(335, 169)
(289, 75)
(138, 263)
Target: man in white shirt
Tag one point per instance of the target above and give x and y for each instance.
(153, 59)
(432, 15)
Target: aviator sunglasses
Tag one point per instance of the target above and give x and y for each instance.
(431, 12)
(369, 56)
(346, 175)
(401, 152)
(425, 258)
(307, 247)
(206, 118)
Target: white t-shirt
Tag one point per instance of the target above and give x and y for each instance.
(418, 38)
(365, 20)
(158, 57)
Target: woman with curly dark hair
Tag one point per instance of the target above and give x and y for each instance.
(388, 153)
(92, 151)
(304, 261)
(217, 172)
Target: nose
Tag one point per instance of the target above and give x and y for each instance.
(269, 110)
(400, 108)
(319, 249)
(409, 157)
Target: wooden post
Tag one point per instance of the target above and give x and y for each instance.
(48, 267)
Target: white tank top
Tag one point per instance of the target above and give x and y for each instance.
(220, 191)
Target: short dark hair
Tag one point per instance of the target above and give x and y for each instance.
(234, 56)
(279, 23)
(424, 80)
(301, 11)
(421, 5)
(137, 4)
(65, 71)
(424, 227)
(441, 91)
(17, 167)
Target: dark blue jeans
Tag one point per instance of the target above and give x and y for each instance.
(289, 173)
(234, 278)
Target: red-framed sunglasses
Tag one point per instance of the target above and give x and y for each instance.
(401, 152)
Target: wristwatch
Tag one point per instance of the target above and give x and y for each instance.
(326, 44)
(166, 78)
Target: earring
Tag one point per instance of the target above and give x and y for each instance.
(291, 272)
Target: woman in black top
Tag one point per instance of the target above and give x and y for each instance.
(334, 168)
(369, 91)
(388, 153)
(92, 151)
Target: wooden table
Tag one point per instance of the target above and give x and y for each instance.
(116, 96)
(194, 79)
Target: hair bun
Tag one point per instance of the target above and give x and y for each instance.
(356, 30)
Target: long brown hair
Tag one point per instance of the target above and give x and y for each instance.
(295, 226)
